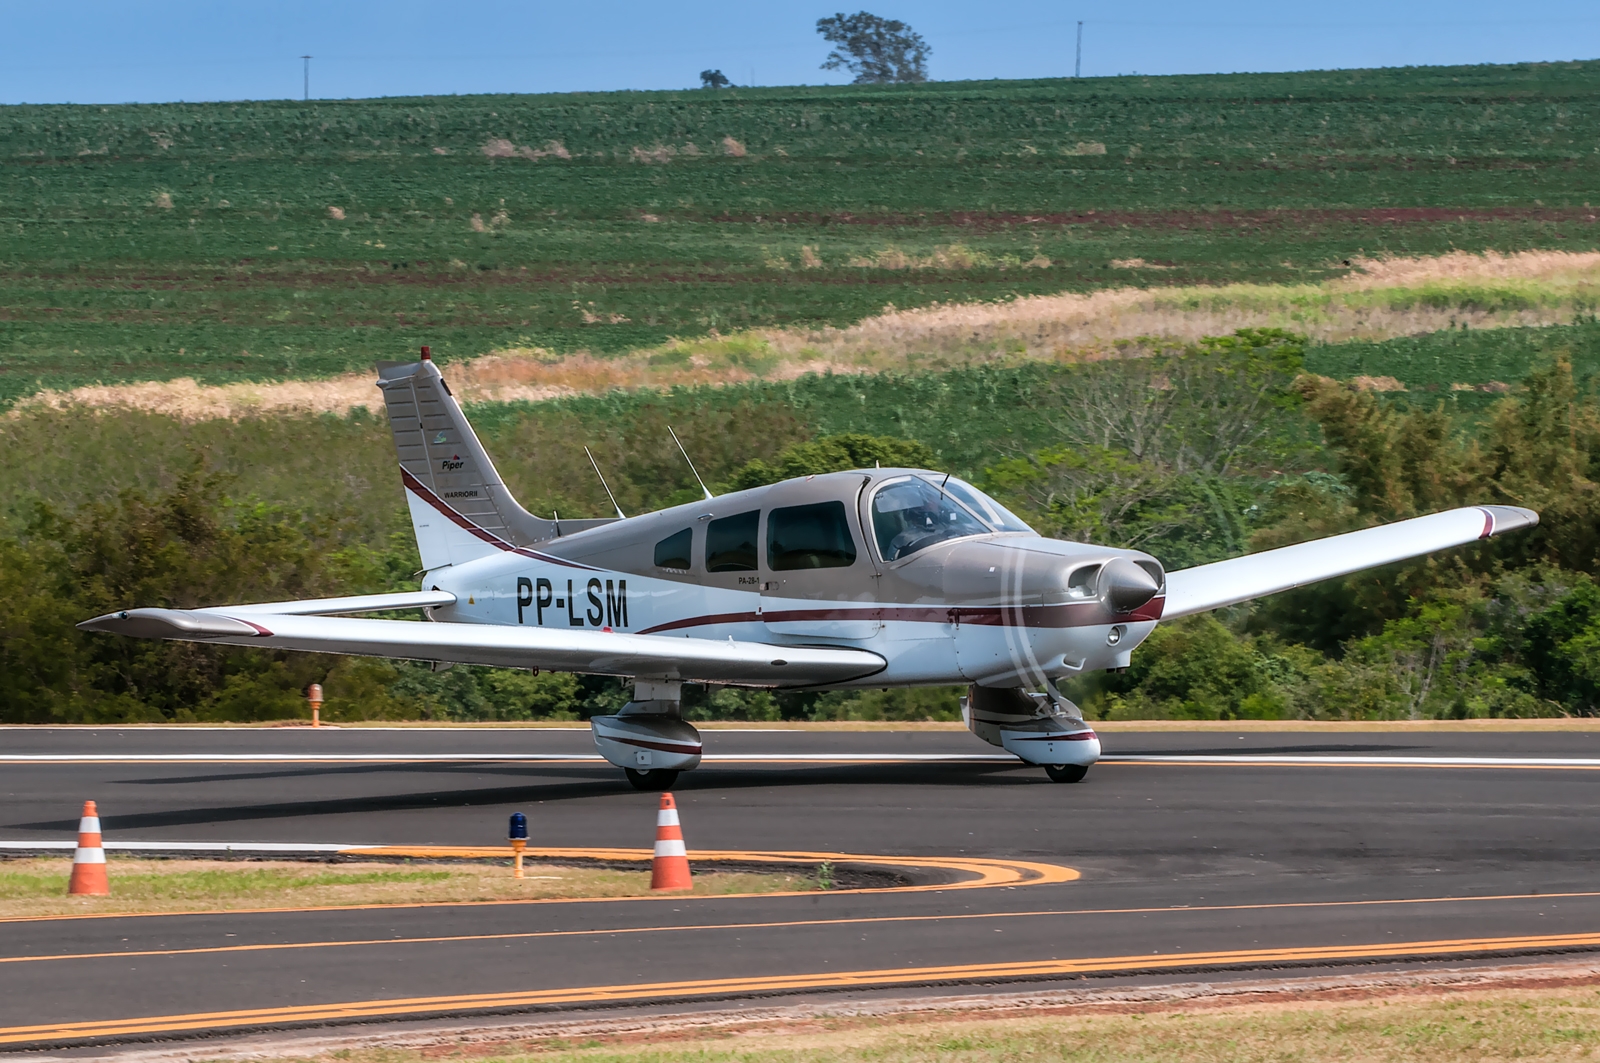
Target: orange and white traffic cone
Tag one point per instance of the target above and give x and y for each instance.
(89, 862)
(670, 868)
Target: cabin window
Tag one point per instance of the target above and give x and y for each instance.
(731, 543)
(814, 536)
(912, 514)
(673, 551)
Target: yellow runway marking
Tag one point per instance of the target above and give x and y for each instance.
(775, 925)
(987, 874)
(779, 983)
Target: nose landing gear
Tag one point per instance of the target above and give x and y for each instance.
(1043, 729)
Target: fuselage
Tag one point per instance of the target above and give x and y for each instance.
(923, 570)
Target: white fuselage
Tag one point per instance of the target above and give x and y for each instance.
(924, 644)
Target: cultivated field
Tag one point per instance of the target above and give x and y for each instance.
(257, 241)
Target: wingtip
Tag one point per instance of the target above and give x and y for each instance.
(1501, 519)
(170, 624)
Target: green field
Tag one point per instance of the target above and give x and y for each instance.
(147, 242)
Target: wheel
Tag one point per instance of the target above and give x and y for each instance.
(654, 779)
(1066, 772)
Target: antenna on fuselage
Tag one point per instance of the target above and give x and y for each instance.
(692, 469)
(597, 472)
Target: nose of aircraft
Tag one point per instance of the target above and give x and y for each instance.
(1124, 586)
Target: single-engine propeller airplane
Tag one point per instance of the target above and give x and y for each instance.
(868, 578)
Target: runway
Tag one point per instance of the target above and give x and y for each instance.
(1214, 851)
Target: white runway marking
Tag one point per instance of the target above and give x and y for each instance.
(1238, 760)
(1355, 759)
(446, 758)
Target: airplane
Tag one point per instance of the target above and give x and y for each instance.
(846, 580)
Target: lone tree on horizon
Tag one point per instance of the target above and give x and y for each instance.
(877, 51)
(714, 79)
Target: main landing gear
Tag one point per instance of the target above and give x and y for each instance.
(648, 739)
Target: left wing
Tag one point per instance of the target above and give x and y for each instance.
(602, 652)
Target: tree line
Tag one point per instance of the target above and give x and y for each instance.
(1194, 453)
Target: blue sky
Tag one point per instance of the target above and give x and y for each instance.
(95, 51)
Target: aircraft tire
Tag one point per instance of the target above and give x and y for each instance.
(1066, 772)
(654, 779)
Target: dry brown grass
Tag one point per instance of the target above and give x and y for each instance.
(38, 886)
(1573, 266)
(1427, 1026)
(1376, 383)
(1379, 300)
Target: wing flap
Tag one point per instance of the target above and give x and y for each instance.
(602, 652)
(1239, 579)
(357, 603)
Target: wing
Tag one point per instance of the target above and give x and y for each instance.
(603, 652)
(1195, 590)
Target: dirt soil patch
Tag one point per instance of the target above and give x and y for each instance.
(1526, 1012)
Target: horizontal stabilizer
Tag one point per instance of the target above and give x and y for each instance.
(1239, 579)
(598, 652)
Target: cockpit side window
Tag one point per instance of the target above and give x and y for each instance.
(814, 536)
(998, 516)
(673, 551)
(731, 543)
(912, 514)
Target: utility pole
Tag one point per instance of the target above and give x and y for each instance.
(307, 62)
(1077, 66)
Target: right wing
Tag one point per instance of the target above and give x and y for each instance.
(1239, 579)
(601, 652)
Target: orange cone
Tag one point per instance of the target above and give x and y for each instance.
(670, 868)
(89, 862)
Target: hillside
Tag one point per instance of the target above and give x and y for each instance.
(264, 240)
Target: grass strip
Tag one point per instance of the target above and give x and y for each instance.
(37, 886)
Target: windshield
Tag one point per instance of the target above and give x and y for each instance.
(910, 515)
(984, 506)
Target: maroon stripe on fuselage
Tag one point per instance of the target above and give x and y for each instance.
(703, 621)
(1086, 614)
(423, 492)
(664, 747)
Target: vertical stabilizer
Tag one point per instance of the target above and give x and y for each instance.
(460, 509)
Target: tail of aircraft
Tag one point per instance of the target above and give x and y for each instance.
(460, 508)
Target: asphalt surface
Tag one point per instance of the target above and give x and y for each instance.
(1218, 866)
